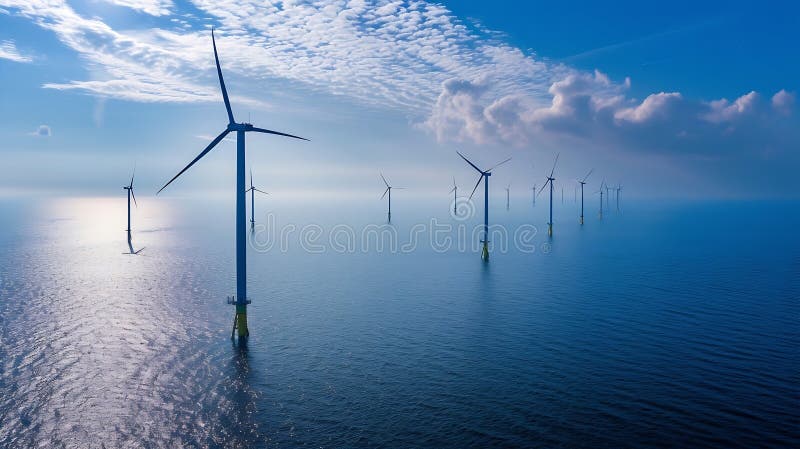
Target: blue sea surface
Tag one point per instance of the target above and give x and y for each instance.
(665, 324)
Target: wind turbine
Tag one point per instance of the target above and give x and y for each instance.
(253, 191)
(454, 191)
(619, 187)
(508, 196)
(129, 188)
(550, 180)
(601, 197)
(484, 177)
(583, 182)
(533, 189)
(240, 300)
(389, 191)
(607, 195)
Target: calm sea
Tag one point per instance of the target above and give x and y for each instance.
(666, 324)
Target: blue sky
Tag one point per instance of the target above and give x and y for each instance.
(684, 100)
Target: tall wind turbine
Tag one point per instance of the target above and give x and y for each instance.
(583, 183)
(129, 188)
(253, 191)
(550, 180)
(240, 300)
(454, 191)
(389, 191)
(485, 178)
(508, 196)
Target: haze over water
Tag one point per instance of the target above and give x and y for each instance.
(663, 325)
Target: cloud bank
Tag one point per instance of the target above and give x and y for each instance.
(593, 108)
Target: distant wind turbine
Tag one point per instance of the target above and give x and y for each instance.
(619, 187)
(240, 300)
(253, 191)
(129, 188)
(508, 196)
(550, 180)
(485, 178)
(389, 191)
(602, 184)
(454, 191)
(583, 182)
(533, 189)
(607, 195)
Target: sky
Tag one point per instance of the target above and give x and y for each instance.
(685, 100)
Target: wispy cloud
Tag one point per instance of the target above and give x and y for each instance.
(387, 53)
(152, 7)
(8, 50)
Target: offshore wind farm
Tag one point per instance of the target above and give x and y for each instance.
(340, 315)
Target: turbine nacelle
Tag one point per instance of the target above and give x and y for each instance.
(240, 127)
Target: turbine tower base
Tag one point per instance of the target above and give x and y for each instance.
(485, 251)
(550, 229)
(240, 319)
(581, 219)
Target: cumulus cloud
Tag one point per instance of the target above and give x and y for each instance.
(8, 50)
(592, 107)
(783, 102)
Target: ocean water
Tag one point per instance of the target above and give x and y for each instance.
(666, 324)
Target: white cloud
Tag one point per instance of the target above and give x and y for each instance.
(461, 82)
(42, 131)
(152, 7)
(391, 54)
(8, 50)
(723, 110)
(783, 102)
(593, 108)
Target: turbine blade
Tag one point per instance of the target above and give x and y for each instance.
(251, 178)
(399, 188)
(497, 165)
(213, 143)
(133, 175)
(384, 192)
(251, 188)
(134, 198)
(452, 190)
(261, 191)
(267, 131)
(554, 165)
(476, 184)
(385, 181)
(543, 186)
(221, 80)
(470, 163)
(587, 175)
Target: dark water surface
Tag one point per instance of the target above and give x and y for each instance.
(667, 325)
